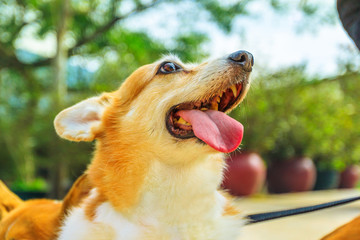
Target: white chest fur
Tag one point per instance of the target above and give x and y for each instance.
(176, 203)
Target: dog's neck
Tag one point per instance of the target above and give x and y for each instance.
(181, 190)
(134, 181)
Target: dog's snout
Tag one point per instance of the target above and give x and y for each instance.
(243, 58)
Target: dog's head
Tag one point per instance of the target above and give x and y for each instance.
(167, 108)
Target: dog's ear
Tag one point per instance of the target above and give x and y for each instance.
(82, 121)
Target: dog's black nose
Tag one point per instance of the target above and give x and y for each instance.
(243, 58)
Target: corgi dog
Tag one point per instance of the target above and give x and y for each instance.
(38, 219)
(158, 163)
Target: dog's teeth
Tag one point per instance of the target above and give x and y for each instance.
(221, 94)
(182, 121)
(204, 109)
(218, 99)
(214, 106)
(234, 90)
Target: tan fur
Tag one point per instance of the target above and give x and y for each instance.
(230, 209)
(120, 181)
(8, 201)
(90, 209)
(34, 219)
(38, 219)
(150, 179)
(79, 191)
(349, 231)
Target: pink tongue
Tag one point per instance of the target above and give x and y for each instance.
(215, 128)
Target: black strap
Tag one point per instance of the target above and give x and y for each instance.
(261, 217)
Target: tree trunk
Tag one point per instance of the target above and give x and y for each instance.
(59, 170)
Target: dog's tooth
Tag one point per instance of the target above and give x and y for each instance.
(214, 106)
(182, 121)
(218, 99)
(234, 90)
(204, 109)
(221, 94)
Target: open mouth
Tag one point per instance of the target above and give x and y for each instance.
(198, 119)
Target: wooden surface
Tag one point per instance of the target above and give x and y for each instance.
(310, 226)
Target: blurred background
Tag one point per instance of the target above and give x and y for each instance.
(303, 106)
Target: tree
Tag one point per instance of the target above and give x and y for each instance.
(34, 88)
(289, 114)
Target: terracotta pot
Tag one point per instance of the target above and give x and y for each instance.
(327, 179)
(245, 174)
(295, 175)
(350, 177)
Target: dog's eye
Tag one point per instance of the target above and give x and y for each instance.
(169, 67)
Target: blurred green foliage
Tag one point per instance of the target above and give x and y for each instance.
(126, 53)
(38, 184)
(92, 34)
(287, 114)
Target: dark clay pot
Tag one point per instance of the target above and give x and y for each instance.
(327, 179)
(350, 177)
(295, 175)
(245, 174)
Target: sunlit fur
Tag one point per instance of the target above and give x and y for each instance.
(8, 201)
(147, 183)
(37, 219)
(34, 219)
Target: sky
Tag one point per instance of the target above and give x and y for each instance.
(276, 39)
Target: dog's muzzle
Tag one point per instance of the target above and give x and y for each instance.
(206, 118)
